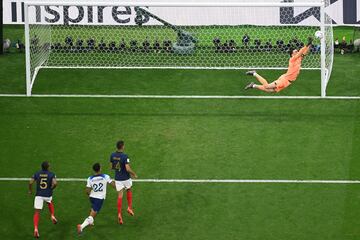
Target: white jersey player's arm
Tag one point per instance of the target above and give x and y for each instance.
(111, 166)
(88, 187)
(110, 181)
(88, 191)
(113, 184)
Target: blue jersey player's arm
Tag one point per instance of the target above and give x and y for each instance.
(112, 165)
(31, 182)
(53, 183)
(129, 170)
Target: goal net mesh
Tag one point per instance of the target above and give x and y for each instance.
(173, 37)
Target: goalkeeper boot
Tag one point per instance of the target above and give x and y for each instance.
(250, 85)
(251, 73)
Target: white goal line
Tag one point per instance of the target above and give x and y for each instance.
(297, 181)
(181, 96)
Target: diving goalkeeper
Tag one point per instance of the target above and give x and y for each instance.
(296, 57)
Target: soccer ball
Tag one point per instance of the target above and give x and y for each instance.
(357, 45)
(319, 35)
(6, 44)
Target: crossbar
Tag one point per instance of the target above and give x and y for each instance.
(175, 4)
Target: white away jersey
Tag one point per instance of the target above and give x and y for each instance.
(98, 183)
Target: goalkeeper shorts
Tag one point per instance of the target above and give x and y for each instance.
(281, 83)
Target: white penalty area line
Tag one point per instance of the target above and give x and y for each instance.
(181, 96)
(210, 181)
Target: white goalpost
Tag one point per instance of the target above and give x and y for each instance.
(206, 34)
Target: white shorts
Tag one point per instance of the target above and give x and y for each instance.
(39, 201)
(123, 184)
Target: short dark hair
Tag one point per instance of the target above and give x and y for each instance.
(96, 167)
(120, 144)
(290, 51)
(45, 166)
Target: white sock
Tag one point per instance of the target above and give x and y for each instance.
(88, 221)
(255, 74)
(254, 86)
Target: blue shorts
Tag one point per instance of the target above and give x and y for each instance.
(96, 204)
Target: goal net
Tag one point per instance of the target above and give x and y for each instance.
(181, 35)
(356, 39)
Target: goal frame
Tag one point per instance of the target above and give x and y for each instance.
(30, 80)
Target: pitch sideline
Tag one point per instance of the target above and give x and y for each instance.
(181, 96)
(264, 181)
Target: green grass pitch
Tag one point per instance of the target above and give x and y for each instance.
(184, 139)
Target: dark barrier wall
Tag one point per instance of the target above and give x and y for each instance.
(350, 9)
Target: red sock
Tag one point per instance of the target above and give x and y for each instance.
(51, 208)
(119, 205)
(129, 198)
(36, 219)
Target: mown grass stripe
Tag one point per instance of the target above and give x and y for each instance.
(296, 181)
(182, 96)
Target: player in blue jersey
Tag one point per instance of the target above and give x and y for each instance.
(96, 190)
(120, 163)
(45, 184)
